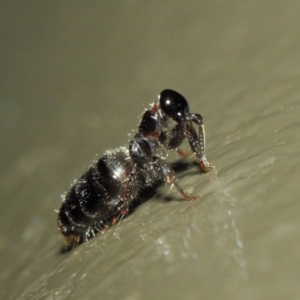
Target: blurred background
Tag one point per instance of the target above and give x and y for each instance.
(76, 76)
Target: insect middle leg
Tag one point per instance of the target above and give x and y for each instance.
(169, 178)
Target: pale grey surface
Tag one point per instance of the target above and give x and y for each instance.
(76, 75)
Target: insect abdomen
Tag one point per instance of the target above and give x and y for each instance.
(98, 196)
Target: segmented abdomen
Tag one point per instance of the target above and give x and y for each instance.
(99, 196)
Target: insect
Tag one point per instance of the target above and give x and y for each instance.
(104, 194)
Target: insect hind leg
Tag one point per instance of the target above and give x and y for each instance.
(72, 240)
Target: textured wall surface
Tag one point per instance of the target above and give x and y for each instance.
(75, 77)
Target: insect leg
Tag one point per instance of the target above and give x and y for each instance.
(197, 142)
(177, 136)
(169, 178)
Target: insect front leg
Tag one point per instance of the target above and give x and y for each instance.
(177, 136)
(197, 142)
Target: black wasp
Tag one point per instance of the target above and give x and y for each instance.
(104, 194)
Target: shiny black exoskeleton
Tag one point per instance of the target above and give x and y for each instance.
(104, 194)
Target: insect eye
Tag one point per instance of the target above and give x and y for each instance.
(173, 104)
